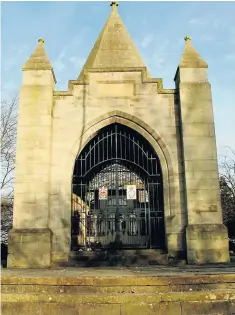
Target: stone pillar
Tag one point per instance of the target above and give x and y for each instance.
(206, 236)
(30, 238)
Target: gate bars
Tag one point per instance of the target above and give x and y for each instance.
(116, 157)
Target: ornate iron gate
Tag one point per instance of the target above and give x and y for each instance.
(117, 195)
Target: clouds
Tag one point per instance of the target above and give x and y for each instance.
(147, 40)
(160, 56)
(14, 56)
(70, 60)
(66, 67)
(77, 62)
(230, 57)
(59, 63)
(70, 30)
(207, 20)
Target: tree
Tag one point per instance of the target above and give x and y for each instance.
(227, 189)
(8, 149)
(8, 144)
(6, 219)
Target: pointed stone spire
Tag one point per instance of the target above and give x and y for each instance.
(114, 47)
(38, 60)
(190, 57)
(114, 5)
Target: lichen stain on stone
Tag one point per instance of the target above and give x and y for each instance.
(212, 297)
(232, 297)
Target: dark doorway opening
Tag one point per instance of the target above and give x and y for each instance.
(117, 193)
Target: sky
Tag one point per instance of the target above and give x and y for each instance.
(70, 30)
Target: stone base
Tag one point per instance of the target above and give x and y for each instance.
(29, 248)
(207, 243)
(58, 260)
(176, 246)
(117, 291)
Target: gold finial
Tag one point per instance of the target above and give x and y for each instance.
(187, 38)
(41, 40)
(114, 4)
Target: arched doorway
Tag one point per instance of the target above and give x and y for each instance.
(117, 198)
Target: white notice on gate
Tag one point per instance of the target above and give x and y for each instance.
(130, 192)
(103, 193)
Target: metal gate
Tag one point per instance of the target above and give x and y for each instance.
(117, 198)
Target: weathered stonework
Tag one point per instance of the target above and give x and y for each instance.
(33, 242)
(127, 291)
(204, 243)
(115, 86)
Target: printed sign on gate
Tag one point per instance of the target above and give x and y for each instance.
(103, 193)
(130, 192)
(143, 196)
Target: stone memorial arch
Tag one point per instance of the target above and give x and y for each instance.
(117, 160)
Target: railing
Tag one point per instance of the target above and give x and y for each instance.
(126, 230)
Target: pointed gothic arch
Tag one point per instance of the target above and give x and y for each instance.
(151, 137)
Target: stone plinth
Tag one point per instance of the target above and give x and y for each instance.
(207, 243)
(29, 248)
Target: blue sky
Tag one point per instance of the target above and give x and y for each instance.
(157, 28)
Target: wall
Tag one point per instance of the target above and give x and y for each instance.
(109, 97)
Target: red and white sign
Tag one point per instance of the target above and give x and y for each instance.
(103, 193)
(143, 196)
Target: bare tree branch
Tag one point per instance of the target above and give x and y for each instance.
(227, 185)
(8, 142)
(8, 149)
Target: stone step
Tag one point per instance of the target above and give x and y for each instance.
(138, 308)
(103, 253)
(132, 297)
(207, 302)
(49, 292)
(111, 284)
(119, 258)
(89, 289)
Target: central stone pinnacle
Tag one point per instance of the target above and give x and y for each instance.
(114, 4)
(41, 40)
